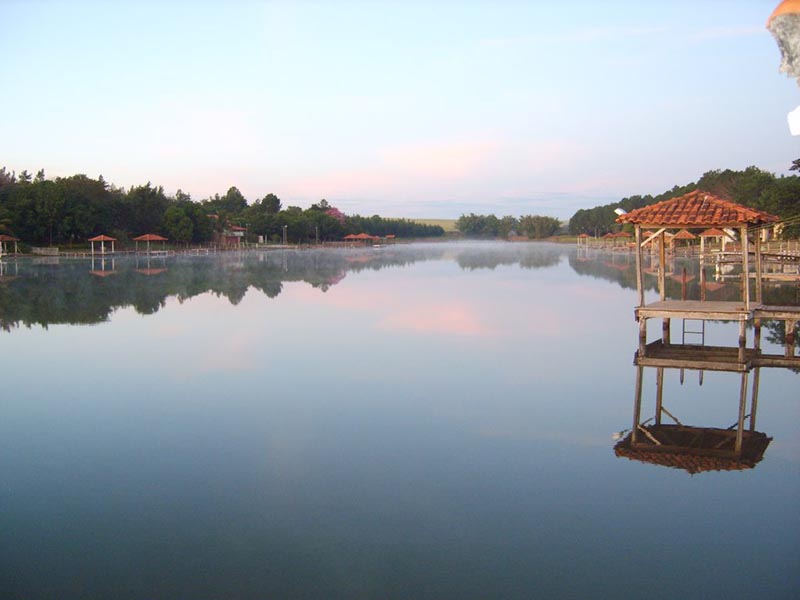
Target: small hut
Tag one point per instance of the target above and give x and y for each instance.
(150, 237)
(5, 240)
(683, 235)
(102, 239)
(715, 234)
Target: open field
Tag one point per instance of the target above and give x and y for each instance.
(449, 225)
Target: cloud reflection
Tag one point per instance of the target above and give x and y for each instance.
(453, 319)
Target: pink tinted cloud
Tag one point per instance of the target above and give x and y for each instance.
(403, 169)
(442, 318)
(396, 311)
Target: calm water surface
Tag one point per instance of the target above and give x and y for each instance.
(425, 421)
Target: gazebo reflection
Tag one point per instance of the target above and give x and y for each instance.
(103, 267)
(662, 439)
(149, 267)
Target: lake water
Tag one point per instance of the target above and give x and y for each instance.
(422, 421)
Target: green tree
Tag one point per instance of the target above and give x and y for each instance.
(271, 204)
(178, 225)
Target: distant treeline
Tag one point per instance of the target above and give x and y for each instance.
(752, 187)
(64, 210)
(490, 226)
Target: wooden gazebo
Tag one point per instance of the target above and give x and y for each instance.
(149, 237)
(6, 239)
(102, 239)
(696, 210)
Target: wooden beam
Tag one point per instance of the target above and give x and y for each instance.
(742, 339)
(662, 267)
(740, 423)
(745, 267)
(637, 403)
(651, 238)
(758, 266)
(642, 336)
(639, 267)
(659, 394)
(649, 435)
(754, 399)
(671, 416)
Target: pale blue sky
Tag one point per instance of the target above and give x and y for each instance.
(396, 108)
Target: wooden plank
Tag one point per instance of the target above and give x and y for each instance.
(649, 435)
(776, 361)
(759, 264)
(777, 313)
(662, 267)
(745, 268)
(651, 238)
(639, 266)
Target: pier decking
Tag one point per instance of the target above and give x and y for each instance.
(697, 309)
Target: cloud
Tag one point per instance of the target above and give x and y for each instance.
(575, 36)
(450, 319)
(717, 33)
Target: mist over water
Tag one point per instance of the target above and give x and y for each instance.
(421, 421)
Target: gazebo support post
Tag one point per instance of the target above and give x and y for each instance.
(92, 251)
(754, 398)
(758, 266)
(662, 268)
(639, 275)
(740, 423)
(745, 268)
(642, 335)
(742, 339)
(637, 404)
(789, 337)
(757, 334)
(702, 275)
(659, 393)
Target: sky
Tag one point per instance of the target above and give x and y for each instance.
(398, 108)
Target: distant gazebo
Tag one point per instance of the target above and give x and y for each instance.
(5, 240)
(712, 234)
(102, 239)
(683, 234)
(149, 237)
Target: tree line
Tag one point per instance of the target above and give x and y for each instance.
(490, 226)
(752, 187)
(68, 210)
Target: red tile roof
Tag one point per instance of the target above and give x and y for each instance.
(696, 209)
(684, 235)
(102, 238)
(713, 232)
(150, 237)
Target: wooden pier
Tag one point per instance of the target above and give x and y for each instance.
(699, 210)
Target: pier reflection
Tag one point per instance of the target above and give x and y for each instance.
(661, 438)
